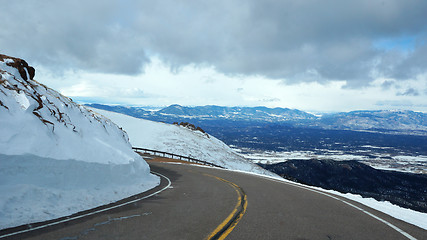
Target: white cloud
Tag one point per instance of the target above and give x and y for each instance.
(193, 85)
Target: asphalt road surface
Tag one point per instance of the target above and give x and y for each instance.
(206, 203)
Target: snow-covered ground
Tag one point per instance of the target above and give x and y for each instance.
(56, 157)
(408, 215)
(182, 141)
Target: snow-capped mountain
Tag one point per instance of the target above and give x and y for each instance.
(182, 141)
(237, 113)
(213, 112)
(57, 157)
(407, 122)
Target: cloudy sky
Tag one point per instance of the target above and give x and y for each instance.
(314, 55)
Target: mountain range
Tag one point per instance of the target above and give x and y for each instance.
(387, 121)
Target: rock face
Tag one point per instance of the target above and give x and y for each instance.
(404, 189)
(21, 65)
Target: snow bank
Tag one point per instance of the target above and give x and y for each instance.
(181, 141)
(57, 157)
(408, 215)
(35, 189)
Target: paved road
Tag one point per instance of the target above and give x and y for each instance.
(198, 201)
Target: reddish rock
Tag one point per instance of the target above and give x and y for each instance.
(21, 65)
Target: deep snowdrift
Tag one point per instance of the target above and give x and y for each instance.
(57, 157)
(182, 141)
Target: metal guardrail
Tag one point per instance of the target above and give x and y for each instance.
(174, 156)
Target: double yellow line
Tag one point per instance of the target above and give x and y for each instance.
(225, 228)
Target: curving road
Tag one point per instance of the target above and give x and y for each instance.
(206, 203)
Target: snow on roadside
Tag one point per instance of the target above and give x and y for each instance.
(182, 141)
(36, 188)
(408, 215)
(56, 157)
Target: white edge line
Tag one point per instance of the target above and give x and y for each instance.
(92, 213)
(275, 179)
(350, 204)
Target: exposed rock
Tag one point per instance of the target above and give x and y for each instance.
(21, 65)
(191, 127)
(40, 106)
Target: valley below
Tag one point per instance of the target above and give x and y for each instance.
(385, 165)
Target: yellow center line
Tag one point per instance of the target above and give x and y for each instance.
(225, 228)
(228, 231)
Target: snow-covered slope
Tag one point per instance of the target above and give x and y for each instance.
(182, 141)
(57, 157)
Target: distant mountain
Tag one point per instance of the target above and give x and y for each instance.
(407, 122)
(212, 112)
(375, 120)
(131, 111)
(236, 113)
(404, 189)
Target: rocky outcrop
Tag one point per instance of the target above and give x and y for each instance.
(21, 65)
(46, 104)
(191, 127)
